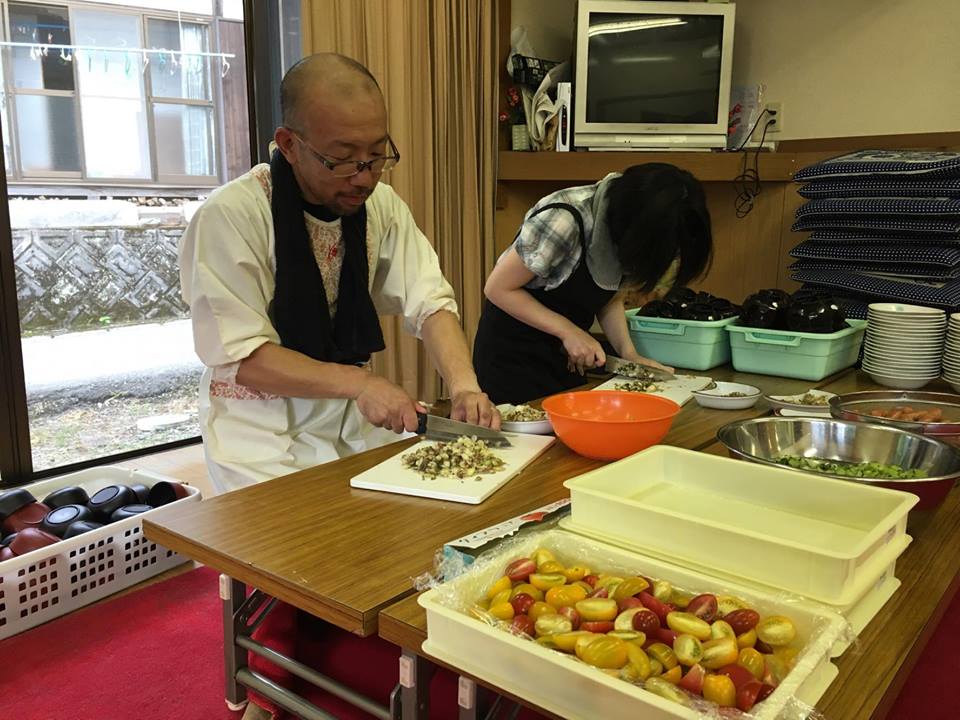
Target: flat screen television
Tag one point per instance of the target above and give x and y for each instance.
(652, 75)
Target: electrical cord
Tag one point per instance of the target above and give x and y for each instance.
(747, 183)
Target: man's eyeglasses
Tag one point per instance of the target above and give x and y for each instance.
(349, 168)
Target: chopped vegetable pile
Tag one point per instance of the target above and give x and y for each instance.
(465, 457)
(523, 413)
(851, 469)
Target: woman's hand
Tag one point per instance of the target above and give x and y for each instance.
(583, 351)
(634, 356)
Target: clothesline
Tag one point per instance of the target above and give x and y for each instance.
(99, 48)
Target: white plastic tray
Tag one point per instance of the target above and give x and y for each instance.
(57, 579)
(569, 688)
(815, 536)
(870, 592)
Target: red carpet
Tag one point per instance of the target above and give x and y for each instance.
(157, 655)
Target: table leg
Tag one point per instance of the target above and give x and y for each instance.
(232, 593)
(415, 675)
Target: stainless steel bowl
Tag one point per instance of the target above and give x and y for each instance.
(859, 405)
(763, 440)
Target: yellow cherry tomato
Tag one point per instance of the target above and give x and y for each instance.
(498, 587)
(719, 689)
(544, 581)
(502, 611)
(576, 573)
(752, 660)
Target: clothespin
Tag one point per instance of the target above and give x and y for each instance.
(224, 66)
(146, 61)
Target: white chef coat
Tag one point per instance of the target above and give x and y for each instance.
(227, 275)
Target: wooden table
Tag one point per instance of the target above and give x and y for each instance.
(344, 554)
(872, 673)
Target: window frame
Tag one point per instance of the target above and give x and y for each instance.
(12, 93)
(16, 461)
(17, 175)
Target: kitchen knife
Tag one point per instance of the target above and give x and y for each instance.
(624, 368)
(438, 428)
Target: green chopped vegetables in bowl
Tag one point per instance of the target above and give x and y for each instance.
(851, 469)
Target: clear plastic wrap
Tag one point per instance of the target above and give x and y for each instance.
(468, 636)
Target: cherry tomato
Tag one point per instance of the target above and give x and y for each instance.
(597, 609)
(502, 611)
(604, 652)
(570, 614)
(546, 581)
(542, 555)
(776, 630)
(523, 625)
(552, 624)
(646, 621)
(673, 675)
(552, 567)
(747, 639)
(752, 661)
(529, 589)
(630, 602)
(591, 580)
(717, 653)
(597, 626)
(522, 603)
(663, 654)
(499, 586)
(564, 595)
(661, 609)
(568, 641)
(629, 588)
(704, 607)
(575, 573)
(747, 694)
(719, 689)
(721, 629)
(693, 680)
(519, 570)
(665, 635)
(739, 674)
(742, 620)
(684, 622)
(639, 660)
(538, 609)
(659, 686)
(688, 649)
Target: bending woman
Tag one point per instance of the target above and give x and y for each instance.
(645, 230)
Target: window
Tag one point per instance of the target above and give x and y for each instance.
(182, 102)
(116, 96)
(44, 92)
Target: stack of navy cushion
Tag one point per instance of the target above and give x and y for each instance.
(884, 226)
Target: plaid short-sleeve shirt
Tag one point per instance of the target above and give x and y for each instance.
(549, 243)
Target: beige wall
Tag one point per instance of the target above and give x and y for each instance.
(839, 67)
(549, 25)
(853, 67)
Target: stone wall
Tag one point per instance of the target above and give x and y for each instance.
(82, 278)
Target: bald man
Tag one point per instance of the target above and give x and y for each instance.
(287, 270)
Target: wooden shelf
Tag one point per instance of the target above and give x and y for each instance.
(591, 166)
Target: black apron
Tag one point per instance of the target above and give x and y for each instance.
(516, 363)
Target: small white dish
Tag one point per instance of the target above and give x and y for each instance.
(531, 427)
(793, 402)
(718, 397)
(904, 309)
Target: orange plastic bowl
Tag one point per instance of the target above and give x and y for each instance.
(610, 424)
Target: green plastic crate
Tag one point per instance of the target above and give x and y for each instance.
(806, 356)
(689, 344)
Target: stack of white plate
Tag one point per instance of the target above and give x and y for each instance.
(904, 344)
(951, 353)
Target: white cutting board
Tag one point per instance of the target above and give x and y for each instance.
(679, 390)
(392, 476)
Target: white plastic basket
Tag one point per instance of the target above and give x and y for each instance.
(57, 579)
(568, 688)
(819, 537)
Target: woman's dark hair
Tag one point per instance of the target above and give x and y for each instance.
(656, 212)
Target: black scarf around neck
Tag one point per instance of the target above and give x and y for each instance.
(300, 310)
